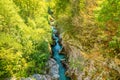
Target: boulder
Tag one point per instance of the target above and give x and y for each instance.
(53, 69)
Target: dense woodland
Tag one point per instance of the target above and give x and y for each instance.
(24, 37)
(91, 36)
(90, 32)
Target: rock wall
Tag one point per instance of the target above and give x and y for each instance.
(92, 66)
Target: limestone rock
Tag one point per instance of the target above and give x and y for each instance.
(53, 69)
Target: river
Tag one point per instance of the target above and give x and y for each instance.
(56, 48)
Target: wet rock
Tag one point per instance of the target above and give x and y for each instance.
(53, 69)
(60, 41)
(62, 51)
(65, 64)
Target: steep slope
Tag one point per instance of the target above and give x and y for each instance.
(24, 37)
(90, 32)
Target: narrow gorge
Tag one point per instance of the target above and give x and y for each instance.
(59, 39)
(56, 49)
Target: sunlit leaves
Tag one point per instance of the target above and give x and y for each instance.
(110, 10)
(23, 27)
(109, 19)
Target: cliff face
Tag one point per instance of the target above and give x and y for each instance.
(92, 66)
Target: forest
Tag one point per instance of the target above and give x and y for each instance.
(88, 30)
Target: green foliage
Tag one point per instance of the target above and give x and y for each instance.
(24, 37)
(77, 20)
(109, 18)
(61, 6)
(110, 10)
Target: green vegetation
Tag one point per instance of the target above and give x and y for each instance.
(109, 18)
(24, 37)
(91, 30)
(90, 33)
